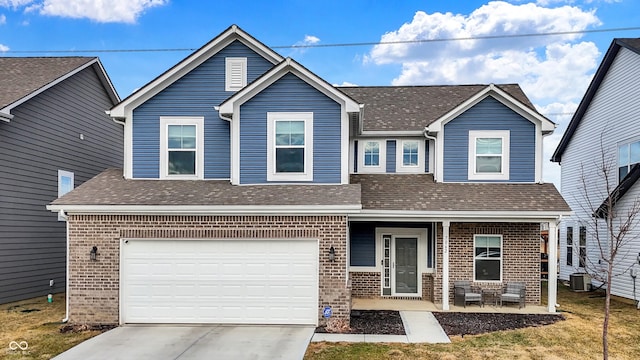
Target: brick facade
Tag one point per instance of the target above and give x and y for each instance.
(520, 254)
(94, 286)
(365, 285)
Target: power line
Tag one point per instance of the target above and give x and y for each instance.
(372, 43)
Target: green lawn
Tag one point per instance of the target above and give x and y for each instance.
(578, 337)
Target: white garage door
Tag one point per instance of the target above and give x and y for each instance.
(215, 281)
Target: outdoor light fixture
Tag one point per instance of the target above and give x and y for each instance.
(332, 254)
(93, 253)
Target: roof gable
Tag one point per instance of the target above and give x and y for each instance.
(285, 67)
(631, 44)
(503, 97)
(22, 78)
(192, 61)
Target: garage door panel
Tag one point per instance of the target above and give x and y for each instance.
(235, 281)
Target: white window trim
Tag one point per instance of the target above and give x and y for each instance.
(382, 166)
(61, 174)
(165, 121)
(307, 117)
(618, 145)
(501, 258)
(230, 62)
(400, 167)
(475, 134)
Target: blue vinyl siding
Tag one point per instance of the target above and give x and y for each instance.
(426, 156)
(490, 114)
(391, 156)
(363, 245)
(195, 94)
(290, 94)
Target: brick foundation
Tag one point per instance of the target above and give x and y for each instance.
(94, 286)
(365, 285)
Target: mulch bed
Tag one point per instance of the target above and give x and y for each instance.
(384, 322)
(479, 323)
(379, 322)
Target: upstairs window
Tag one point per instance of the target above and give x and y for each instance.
(410, 153)
(488, 258)
(628, 155)
(371, 153)
(65, 185)
(235, 73)
(489, 155)
(290, 150)
(181, 141)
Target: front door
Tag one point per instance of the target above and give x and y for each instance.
(405, 266)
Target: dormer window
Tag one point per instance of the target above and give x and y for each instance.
(489, 155)
(410, 156)
(372, 153)
(235, 73)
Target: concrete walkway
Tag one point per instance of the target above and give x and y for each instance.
(419, 326)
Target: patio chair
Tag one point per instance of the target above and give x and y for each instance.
(464, 293)
(514, 292)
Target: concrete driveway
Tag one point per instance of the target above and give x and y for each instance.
(195, 342)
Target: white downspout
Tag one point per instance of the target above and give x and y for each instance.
(552, 281)
(445, 264)
(66, 316)
(435, 156)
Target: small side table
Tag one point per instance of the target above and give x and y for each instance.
(490, 294)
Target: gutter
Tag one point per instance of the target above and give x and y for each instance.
(425, 132)
(225, 118)
(5, 116)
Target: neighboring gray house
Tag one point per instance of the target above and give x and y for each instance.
(606, 121)
(54, 135)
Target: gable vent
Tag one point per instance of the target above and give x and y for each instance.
(236, 73)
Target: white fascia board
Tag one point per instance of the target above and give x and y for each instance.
(7, 109)
(5, 117)
(205, 209)
(191, 62)
(461, 216)
(285, 67)
(509, 101)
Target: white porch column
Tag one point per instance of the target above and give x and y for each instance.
(553, 267)
(445, 265)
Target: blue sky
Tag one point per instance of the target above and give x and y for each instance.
(554, 71)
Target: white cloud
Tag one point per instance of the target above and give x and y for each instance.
(3, 19)
(3, 48)
(126, 11)
(310, 39)
(345, 83)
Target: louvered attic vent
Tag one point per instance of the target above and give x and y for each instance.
(236, 73)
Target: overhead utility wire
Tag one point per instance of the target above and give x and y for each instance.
(301, 46)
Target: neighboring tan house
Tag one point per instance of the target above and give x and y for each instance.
(253, 191)
(54, 135)
(607, 121)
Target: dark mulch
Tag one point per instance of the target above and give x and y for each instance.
(385, 322)
(76, 328)
(380, 322)
(480, 323)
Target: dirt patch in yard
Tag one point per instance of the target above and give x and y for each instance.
(381, 322)
(455, 323)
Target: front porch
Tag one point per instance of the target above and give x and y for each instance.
(422, 305)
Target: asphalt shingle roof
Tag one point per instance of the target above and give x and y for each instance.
(418, 192)
(21, 76)
(409, 108)
(110, 188)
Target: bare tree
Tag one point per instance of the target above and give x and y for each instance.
(611, 227)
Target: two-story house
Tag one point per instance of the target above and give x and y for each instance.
(253, 191)
(54, 135)
(603, 135)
